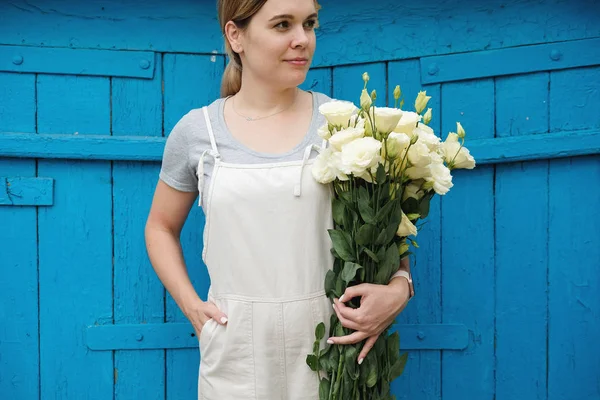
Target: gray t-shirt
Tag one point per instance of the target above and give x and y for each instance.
(189, 138)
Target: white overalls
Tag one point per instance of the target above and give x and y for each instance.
(267, 251)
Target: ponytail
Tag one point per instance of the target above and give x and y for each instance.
(231, 83)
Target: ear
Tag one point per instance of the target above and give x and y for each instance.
(234, 36)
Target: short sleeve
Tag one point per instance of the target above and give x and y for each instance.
(176, 170)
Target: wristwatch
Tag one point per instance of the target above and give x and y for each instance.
(408, 276)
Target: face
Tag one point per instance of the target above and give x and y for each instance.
(279, 43)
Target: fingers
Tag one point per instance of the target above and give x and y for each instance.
(354, 315)
(354, 337)
(212, 311)
(367, 347)
(354, 291)
(346, 323)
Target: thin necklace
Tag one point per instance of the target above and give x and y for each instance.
(251, 119)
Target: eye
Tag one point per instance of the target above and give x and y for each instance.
(283, 25)
(311, 24)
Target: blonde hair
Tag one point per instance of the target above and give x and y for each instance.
(240, 12)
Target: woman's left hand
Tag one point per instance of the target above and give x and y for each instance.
(379, 306)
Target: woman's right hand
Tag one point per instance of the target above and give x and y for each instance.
(201, 311)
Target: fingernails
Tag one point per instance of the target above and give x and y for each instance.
(341, 298)
(334, 306)
(329, 341)
(360, 360)
(223, 320)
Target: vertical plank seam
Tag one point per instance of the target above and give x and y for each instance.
(441, 259)
(112, 235)
(548, 163)
(164, 290)
(37, 238)
(495, 249)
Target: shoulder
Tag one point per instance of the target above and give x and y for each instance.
(321, 98)
(192, 127)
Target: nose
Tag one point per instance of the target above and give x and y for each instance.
(300, 39)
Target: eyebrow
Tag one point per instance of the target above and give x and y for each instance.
(289, 16)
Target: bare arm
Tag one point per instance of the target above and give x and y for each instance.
(167, 216)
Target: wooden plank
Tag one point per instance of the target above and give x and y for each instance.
(19, 311)
(362, 35)
(131, 148)
(510, 61)
(133, 64)
(75, 244)
(521, 254)
(422, 376)
(112, 24)
(468, 247)
(318, 80)
(572, 106)
(190, 82)
(138, 294)
(573, 252)
(348, 83)
(181, 336)
(17, 191)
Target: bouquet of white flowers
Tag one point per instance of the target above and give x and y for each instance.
(385, 165)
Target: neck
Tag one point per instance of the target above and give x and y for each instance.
(256, 98)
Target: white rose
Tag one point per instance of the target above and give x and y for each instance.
(450, 147)
(413, 190)
(408, 122)
(360, 155)
(324, 132)
(440, 177)
(335, 162)
(396, 144)
(418, 172)
(419, 155)
(427, 136)
(321, 168)
(339, 139)
(338, 112)
(386, 118)
(406, 227)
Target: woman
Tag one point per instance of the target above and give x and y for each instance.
(248, 156)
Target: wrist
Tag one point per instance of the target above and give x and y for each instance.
(403, 279)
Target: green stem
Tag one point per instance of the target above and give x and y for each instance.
(338, 381)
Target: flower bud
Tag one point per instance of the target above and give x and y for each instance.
(428, 185)
(403, 248)
(397, 92)
(374, 95)
(414, 243)
(427, 117)
(460, 130)
(421, 101)
(413, 139)
(365, 78)
(365, 100)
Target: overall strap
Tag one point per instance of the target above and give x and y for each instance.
(212, 152)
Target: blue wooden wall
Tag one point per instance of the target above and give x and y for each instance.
(508, 303)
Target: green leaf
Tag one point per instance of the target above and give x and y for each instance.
(350, 361)
(372, 374)
(424, 207)
(320, 331)
(311, 360)
(349, 271)
(324, 389)
(410, 206)
(383, 213)
(389, 266)
(366, 211)
(338, 209)
(330, 282)
(381, 175)
(341, 244)
(372, 255)
(398, 367)
(365, 234)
